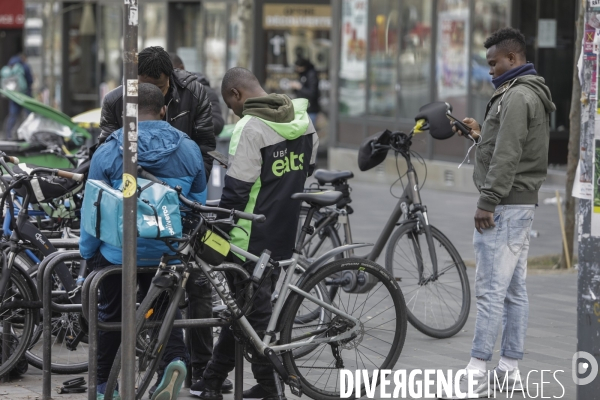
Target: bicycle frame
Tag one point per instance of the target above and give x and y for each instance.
(262, 345)
(409, 202)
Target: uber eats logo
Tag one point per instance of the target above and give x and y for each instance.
(286, 163)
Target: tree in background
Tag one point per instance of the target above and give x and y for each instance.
(573, 155)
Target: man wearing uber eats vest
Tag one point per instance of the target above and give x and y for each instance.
(272, 152)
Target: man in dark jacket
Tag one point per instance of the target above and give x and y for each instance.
(307, 87)
(188, 106)
(273, 149)
(511, 163)
(217, 115)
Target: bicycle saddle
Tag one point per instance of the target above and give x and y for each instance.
(324, 176)
(326, 198)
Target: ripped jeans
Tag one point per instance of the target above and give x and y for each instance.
(501, 258)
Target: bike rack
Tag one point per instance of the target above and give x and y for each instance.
(89, 310)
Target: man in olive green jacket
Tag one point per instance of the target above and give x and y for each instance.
(511, 163)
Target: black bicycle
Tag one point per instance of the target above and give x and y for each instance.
(422, 259)
(20, 319)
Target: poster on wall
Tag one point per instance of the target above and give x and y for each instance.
(453, 53)
(353, 62)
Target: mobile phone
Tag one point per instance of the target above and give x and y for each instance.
(460, 126)
(219, 157)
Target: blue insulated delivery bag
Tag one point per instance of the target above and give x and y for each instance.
(158, 213)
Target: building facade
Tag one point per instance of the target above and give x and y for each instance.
(393, 56)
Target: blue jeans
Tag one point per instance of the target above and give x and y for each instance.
(14, 110)
(501, 258)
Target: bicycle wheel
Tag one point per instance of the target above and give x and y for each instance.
(310, 313)
(16, 324)
(381, 315)
(149, 346)
(325, 239)
(438, 306)
(70, 348)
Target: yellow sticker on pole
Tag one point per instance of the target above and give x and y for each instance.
(129, 185)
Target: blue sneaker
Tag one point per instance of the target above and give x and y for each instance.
(172, 380)
(100, 396)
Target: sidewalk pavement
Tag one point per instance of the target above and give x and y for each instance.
(551, 335)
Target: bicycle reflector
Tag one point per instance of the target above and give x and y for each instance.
(435, 114)
(369, 153)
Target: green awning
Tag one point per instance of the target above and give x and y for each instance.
(45, 111)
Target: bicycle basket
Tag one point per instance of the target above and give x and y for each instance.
(435, 115)
(213, 248)
(368, 157)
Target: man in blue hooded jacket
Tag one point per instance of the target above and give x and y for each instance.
(173, 157)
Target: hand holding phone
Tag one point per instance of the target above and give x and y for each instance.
(463, 128)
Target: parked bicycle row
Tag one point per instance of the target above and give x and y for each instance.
(322, 314)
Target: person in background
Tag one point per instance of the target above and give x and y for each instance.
(511, 163)
(174, 158)
(307, 86)
(272, 131)
(16, 76)
(217, 115)
(188, 106)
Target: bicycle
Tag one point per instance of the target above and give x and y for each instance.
(434, 280)
(349, 324)
(19, 300)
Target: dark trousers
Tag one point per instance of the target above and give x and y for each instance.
(223, 358)
(14, 111)
(200, 306)
(109, 310)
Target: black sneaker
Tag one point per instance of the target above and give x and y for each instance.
(225, 388)
(258, 392)
(209, 394)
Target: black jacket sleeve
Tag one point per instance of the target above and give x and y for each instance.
(203, 133)
(110, 121)
(217, 115)
(310, 88)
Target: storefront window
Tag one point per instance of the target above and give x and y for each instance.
(452, 53)
(492, 15)
(353, 62)
(233, 47)
(415, 56)
(383, 56)
(185, 30)
(215, 42)
(111, 46)
(153, 29)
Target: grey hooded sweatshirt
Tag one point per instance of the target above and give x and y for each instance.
(511, 161)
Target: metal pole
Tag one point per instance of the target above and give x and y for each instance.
(130, 132)
(585, 363)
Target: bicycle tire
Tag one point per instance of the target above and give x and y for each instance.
(16, 289)
(395, 320)
(407, 276)
(151, 363)
(64, 326)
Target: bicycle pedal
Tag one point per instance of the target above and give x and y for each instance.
(295, 385)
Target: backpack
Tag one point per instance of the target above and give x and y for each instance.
(158, 214)
(12, 77)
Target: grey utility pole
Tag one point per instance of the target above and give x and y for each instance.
(585, 363)
(130, 131)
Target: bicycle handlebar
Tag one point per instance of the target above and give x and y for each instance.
(199, 207)
(10, 159)
(70, 175)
